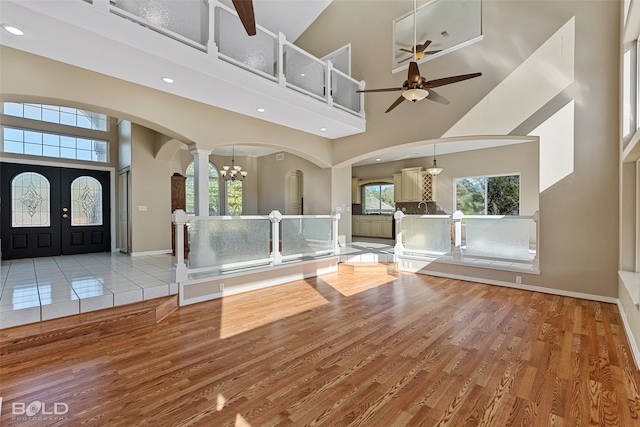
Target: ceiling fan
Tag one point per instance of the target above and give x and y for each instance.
(419, 51)
(246, 15)
(416, 87)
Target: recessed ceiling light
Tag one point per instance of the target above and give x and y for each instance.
(167, 79)
(323, 129)
(13, 30)
(377, 160)
(261, 110)
(302, 74)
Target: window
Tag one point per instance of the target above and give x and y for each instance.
(30, 201)
(36, 143)
(86, 201)
(234, 198)
(378, 199)
(488, 195)
(57, 114)
(80, 139)
(214, 190)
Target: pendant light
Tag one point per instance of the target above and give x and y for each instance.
(434, 169)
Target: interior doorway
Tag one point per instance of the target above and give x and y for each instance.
(295, 193)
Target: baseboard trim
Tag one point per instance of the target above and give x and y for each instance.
(592, 297)
(147, 253)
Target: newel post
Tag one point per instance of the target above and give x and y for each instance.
(276, 255)
(179, 271)
(457, 235)
(536, 259)
(397, 250)
(335, 217)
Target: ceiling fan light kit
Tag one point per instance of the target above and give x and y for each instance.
(415, 95)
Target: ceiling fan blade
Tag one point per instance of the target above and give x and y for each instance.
(414, 73)
(395, 104)
(431, 52)
(437, 97)
(406, 59)
(406, 50)
(246, 15)
(389, 89)
(424, 46)
(449, 80)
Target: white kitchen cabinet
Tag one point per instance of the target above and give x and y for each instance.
(397, 187)
(387, 227)
(356, 191)
(372, 226)
(411, 184)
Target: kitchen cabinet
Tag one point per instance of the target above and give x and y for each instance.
(372, 226)
(429, 187)
(397, 187)
(411, 184)
(356, 191)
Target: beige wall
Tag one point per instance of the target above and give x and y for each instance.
(579, 212)
(150, 187)
(272, 184)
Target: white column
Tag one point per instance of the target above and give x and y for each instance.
(276, 255)
(179, 272)
(201, 180)
(457, 235)
(397, 250)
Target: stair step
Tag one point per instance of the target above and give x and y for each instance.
(50, 335)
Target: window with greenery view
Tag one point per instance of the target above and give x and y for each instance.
(214, 190)
(488, 195)
(234, 198)
(378, 199)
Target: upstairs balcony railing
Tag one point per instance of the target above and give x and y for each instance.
(215, 29)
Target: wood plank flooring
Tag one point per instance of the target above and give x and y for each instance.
(346, 350)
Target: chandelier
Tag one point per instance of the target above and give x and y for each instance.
(233, 173)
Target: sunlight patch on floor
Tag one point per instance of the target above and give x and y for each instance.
(244, 312)
(357, 283)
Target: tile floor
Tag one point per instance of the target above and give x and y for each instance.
(46, 288)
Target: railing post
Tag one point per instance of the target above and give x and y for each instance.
(276, 255)
(536, 259)
(179, 271)
(212, 47)
(457, 235)
(397, 250)
(282, 80)
(335, 217)
(328, 83)
(361, 87)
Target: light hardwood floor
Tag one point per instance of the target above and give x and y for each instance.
(348, 349)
